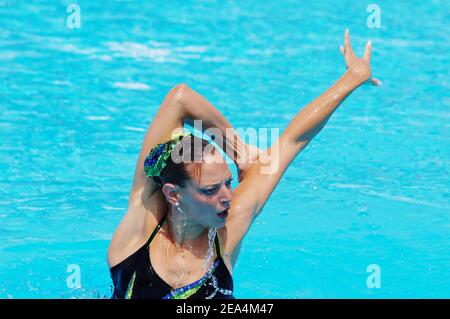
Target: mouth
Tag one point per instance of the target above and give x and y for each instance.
(223, 214)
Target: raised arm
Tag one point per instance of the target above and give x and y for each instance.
(310, 120)
(261, 178)
(183, 105)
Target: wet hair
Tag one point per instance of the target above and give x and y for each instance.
(188, 156)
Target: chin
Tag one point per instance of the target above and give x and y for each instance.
(222, 223)
(217, 224)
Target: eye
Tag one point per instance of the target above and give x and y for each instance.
(228, 183)
(209, 191)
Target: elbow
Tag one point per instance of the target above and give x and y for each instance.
(179, 91)
(175, 97)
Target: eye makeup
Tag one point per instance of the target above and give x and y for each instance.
(212, 189)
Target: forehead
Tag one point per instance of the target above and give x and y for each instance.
(214, 170)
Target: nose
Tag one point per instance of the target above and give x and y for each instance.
(226, 196)
(225, 203)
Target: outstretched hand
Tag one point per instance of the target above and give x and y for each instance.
(359, 66)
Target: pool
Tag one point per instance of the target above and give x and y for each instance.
(371, 189)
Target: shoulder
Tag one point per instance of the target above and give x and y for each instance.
(142, 216)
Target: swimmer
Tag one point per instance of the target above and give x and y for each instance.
(184, 227)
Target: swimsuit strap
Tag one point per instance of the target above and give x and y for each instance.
(155, 231)
(217, 245)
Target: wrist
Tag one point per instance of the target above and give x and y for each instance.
(359, 73)
(353, 78)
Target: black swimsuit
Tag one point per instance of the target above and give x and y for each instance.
(135, 277)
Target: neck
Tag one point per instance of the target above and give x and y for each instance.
(184, 231)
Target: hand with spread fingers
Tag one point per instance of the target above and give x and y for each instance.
(359, 66)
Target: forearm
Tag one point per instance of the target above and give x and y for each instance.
(195, 107)
(312, 118)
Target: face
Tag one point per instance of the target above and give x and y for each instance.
(208, 199)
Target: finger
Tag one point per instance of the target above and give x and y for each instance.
(347, 47)
(346, 41)
(368, 51)
(376, 82)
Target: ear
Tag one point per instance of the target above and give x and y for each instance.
(171, 193)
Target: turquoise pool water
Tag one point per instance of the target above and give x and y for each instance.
(372, 188)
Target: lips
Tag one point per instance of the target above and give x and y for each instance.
(223, 214)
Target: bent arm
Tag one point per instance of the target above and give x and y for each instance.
(200, 113)
(182, 105)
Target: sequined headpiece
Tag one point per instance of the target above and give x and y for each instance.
(158, 156)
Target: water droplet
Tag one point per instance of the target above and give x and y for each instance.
(362, 214)
(211, 235)
(363, 211)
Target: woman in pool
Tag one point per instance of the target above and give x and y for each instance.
(184, 227)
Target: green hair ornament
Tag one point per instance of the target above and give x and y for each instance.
(157, 158)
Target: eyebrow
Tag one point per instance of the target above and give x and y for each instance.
(214, 185)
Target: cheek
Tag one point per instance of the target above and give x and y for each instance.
(205, 202)
(209, 201)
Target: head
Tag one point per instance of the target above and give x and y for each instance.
(196, 180)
